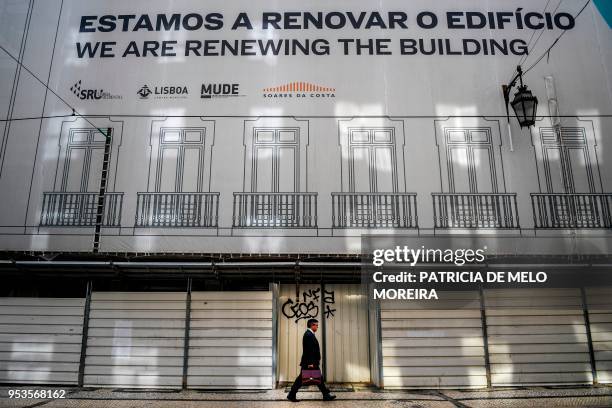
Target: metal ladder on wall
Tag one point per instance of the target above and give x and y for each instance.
(100, 206)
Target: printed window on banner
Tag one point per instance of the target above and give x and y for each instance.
(276, 160)
(83, 161)
(180, 163)
(567, 162)
(373, 169)
(471, 169)
(568, 169)
(470, 157)
(180, 169)
(276, 155)
(77, 183)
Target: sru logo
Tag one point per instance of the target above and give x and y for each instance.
(90, 94)
(84, 94)
(219, 90)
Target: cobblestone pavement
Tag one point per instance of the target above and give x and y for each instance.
(528, 397)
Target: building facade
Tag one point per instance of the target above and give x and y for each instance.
(184, 186)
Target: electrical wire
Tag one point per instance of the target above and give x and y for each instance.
(525, 57)
(74, 111)
(36, 118)
(289, 116)
(547, 52)
(533, 32)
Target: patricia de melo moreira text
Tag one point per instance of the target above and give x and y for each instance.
(458, 257)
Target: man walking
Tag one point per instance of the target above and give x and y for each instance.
(311, 358)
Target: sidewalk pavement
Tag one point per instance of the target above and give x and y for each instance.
(516, 397)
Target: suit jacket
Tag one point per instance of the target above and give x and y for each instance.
(311, 353)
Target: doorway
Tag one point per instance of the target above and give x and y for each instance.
(343, 335)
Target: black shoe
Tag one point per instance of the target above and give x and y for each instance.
(329, 397)
(292, 398)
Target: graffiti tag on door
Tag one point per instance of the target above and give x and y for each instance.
(307, 307)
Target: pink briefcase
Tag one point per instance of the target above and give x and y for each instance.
(311, 377)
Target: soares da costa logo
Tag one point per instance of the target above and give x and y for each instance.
(299, 89)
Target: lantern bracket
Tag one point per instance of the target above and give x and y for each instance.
(508, 88)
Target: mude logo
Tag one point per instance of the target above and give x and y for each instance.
(88, 94)
(220, 90)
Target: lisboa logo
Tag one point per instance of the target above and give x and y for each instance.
(144, 92)
(163, 92)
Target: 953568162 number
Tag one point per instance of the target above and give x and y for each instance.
(36, 394)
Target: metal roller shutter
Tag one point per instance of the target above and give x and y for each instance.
(599, 301)
(347, 355)
(537, 336)
(40, 340)
(294, 311)
(136, 339)
(230, 342)
(424, 347)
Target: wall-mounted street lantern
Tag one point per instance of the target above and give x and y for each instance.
(524, 104)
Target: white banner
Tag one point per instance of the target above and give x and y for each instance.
(264, 128)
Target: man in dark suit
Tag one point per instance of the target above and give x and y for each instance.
(311, 359)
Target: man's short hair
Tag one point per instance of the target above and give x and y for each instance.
(310, 322)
